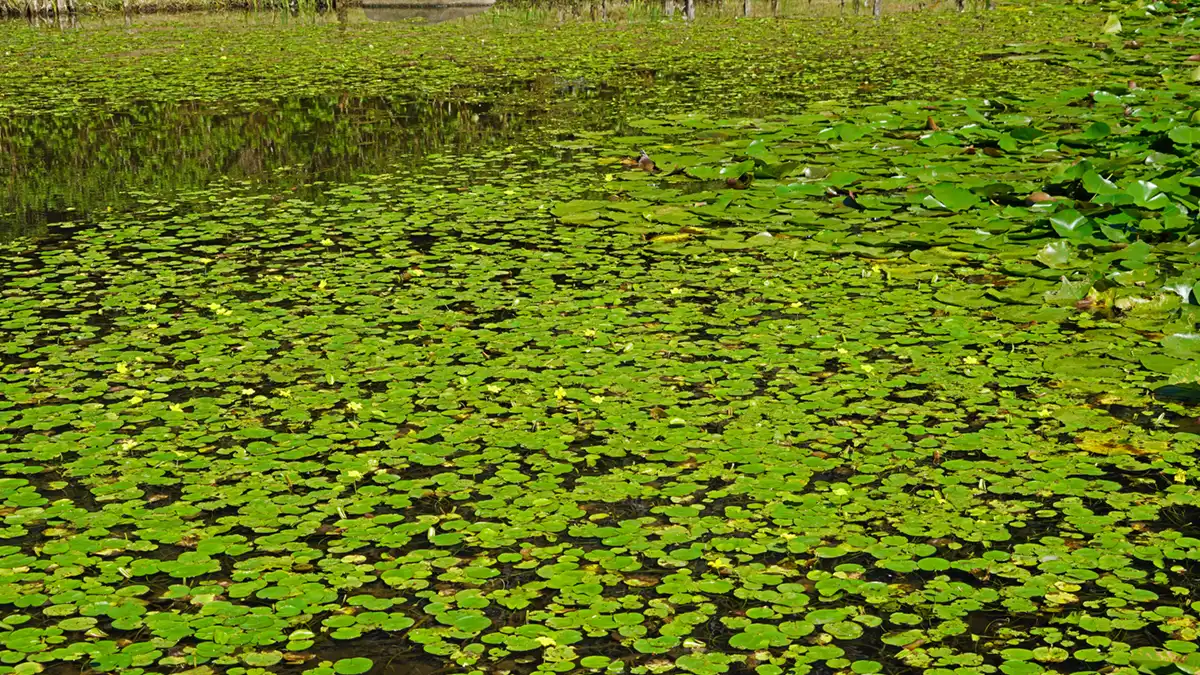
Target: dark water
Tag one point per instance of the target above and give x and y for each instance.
(60, 169)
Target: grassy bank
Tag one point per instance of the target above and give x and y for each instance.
(521, 10)
(49, 8)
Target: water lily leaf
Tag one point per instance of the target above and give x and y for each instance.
(1071, 224)
(844, 132)
(352, 666)
(1187, 374)
(758, 150)
(775, 170)
(844, 630)
(842, 178)
(1021, 668)
(1147, 194)
(1161, 363)
(965, 297)
(950, 197)
(795, 190)
(1082, 367)
(736, 170)
(262, 659)
(939, 138)
(1055, 255)
(471, 623)
(576, 206)
(1112, 25)
(580, 218)
(1068, 292)
(1098, 185)
(1097, 131)
(1182, 345)
(1185, 135)
(703, 664)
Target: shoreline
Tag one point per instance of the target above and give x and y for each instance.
(53, 9)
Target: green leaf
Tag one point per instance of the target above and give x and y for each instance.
(1182, 345)
(1185, 135)
(1055, 255)
(471, 623)
(964, 297)
(844, 132)
(844, 630)
(1097, 131)
(1071, 224)
(951, 197)
(352, 666)
(1098, 185)
(262, 659)
(1147, 194)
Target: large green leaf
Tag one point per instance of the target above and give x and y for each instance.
(950, 197)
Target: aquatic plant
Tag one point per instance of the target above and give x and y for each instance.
(902, 385)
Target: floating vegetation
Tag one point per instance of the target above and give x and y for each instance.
(89, 116)
(901, 386)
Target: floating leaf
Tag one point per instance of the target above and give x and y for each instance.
(1055, 255)
(352, 666)
(1070, 224)
(951, 197)
(1185, 135)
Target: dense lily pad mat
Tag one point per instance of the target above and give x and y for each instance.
(447, 417)
(829, 392)
(111, 68)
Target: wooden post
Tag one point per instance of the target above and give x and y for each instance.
(878, 9)
(689, 9)
(746, 9)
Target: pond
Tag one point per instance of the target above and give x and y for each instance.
(343, 346)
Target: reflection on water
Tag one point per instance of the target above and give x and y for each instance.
(428, 14)
(58, 167)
